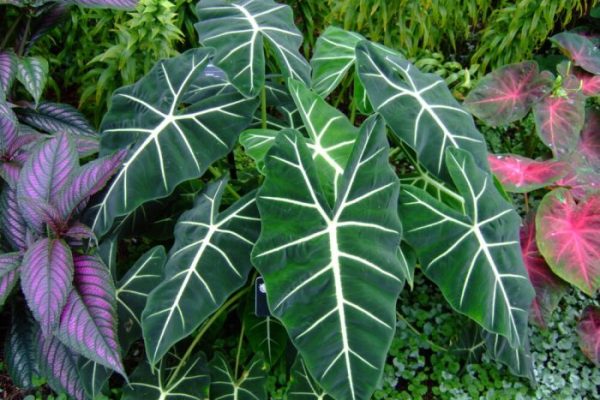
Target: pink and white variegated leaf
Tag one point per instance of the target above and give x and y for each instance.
(9, 263)
(8, 127)
(88, 321)
(507, 94)
(58, 365)
(45, 175)
(559, 121)
(549, 289)
(582, 178)
(88, 180)
(588, 329)
(12, 225)
(589, 141)
(8, 69)
(580, 49)
(568, 236)
(46, 280)
(521, 174)
(576, 78)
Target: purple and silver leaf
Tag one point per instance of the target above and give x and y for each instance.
(9, 171)
(49, 19)
(46, 280)
(79, 232)
(88, 321)
(45, 212)
(9, 263)
(20, 347)
(8, 127)
(115, 4)
(12, 225)
(8, 70)
(56, 117)
(87, 145)
(32, 72)
(45, 175)
(59, 366)
(89, 180)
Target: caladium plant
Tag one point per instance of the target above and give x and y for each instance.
(330, 227)
(559, 240)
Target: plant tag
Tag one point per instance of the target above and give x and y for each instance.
(261, 309)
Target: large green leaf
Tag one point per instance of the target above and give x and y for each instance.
(174, 129)
(238, 30)
(208, 262)
(331, 273)
(148, 383)
(302, 385)
(265, 334)
(517, 359)
(474, 257)
(333, 58)
(249, 385)
(132, 293)
(418, 107)
(331, 134)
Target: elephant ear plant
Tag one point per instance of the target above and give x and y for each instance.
(561, 238)
(326, 224)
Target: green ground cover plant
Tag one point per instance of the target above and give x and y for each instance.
(352, 182)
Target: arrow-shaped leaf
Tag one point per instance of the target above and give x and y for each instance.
(238, 30)
(333, 278)
(266, 335)
(474, 257)
(208, 262)
(171, 140)
(224, 385)
(302, 385)
(150, 383)
(419, 108)
(559, 121)
(333, 57)
(568, 236)
(580, 49)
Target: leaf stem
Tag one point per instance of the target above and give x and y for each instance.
(217, 174)
(263, 107)
(225, 307)
(21, 49)
(353, 110)
(239, 350)
(11, 31)
(421, 335)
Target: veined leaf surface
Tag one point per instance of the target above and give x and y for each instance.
(9, 263)
(521, 174)
(559, 121)
(171, 140)
(224, 385)
(8, 70)
(474, 257)
(419, 108)
(517, 359)
(148, 383)
(303, 386)
(580, 49)
(331, 273)
(238, 29)
(208, 262)
(20, 348)
(508, 93)
(32, 72)
(568, 236)
(266, 335)
(589, 333)
(334, 56)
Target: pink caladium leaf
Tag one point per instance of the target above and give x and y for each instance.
(12, 224)
(46, 280)
(588, 329)
(549, 289)
(45, 175)
(9, 275)
(568, 236)
(576, 78)
(507, 94)
(521, 174)
(559, 121)
(88, 321)
(580, 49)
(88, 180)
(58, 365)
(589, 142)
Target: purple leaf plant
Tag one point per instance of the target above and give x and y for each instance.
(68, 288)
